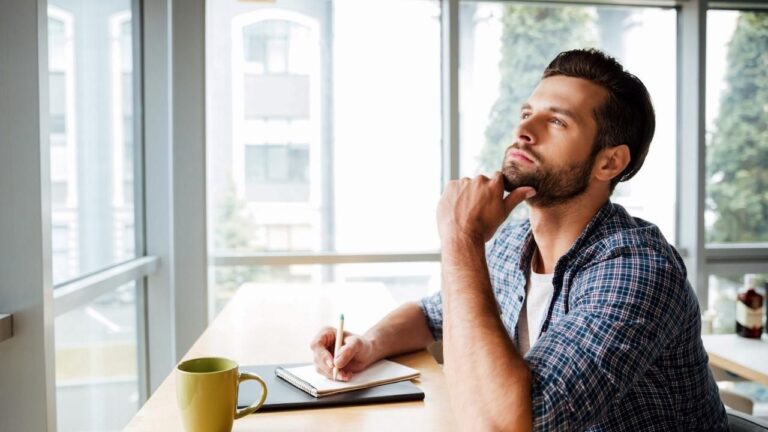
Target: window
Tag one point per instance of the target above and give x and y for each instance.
(58, 91)
(277, 173)
(99, 369)
(333, 143)
(266, 46)
(87, 195)
(501, 61)
(60, 250)
(319, 125)
(723, 290)
(96, 363)
(58, 193)
(736, 121)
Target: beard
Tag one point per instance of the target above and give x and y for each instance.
(554, 186)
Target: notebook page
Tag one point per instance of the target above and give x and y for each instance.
(379, 372)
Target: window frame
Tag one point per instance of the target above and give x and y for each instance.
(83, 289)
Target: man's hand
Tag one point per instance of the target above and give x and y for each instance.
(355, 354)
(475, 208)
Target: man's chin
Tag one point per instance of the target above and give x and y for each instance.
(513, 182)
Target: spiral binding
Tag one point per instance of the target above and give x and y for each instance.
(296, 381)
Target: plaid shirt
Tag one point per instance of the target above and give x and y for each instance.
(620, 347)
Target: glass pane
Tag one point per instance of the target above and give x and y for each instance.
(404, 281)
(91, 126)
(59, 34)
(737, 121)
(723, 289)
(323, 125)
(96, 363)
(504, 49)
(721, 318)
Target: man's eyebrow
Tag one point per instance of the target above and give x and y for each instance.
(564, 111)
(555, 109)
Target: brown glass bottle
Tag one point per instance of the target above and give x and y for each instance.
(749, 311)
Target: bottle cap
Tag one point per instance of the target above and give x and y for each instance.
(749, 280)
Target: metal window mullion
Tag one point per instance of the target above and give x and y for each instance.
(327, 178)
(158, 198)
(142, 335)
(737, 252)
(73, 295)
(736, 258)
(188, 172)
(323, 259)
(743, 5)
(450, 89)
(716, 267)
(139, 214)
(139, 220)
(691, 78)
(623, 3)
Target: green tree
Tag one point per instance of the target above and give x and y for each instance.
(737, 155)
(531, 37)
(233, 230)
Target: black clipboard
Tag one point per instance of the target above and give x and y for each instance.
(281, 395)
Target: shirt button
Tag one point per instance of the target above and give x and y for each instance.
(519, 298)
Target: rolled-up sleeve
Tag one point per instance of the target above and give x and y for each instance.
(432, 307)
(623, 312)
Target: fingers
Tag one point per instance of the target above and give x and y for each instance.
(324, 360)
(321, 345)
(517, 196)
(347, 352)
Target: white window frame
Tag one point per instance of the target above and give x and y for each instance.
(79, 292)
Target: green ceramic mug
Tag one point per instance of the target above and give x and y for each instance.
(206, 389)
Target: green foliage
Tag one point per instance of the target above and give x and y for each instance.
(233, 227)
(233, 230)
(532, 36)
(737, 156)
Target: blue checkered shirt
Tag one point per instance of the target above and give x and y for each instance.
(620, 346)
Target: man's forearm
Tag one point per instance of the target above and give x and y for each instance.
(403, 330)
(490, 382)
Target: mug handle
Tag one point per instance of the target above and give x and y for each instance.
(245, 376)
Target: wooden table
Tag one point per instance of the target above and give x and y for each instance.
(265, 324)
(747, 358)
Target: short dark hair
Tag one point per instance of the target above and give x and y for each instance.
(626, 117)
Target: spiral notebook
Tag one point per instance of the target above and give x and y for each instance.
(285, 396)
(382, 372)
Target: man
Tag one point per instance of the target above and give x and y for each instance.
(581, 318)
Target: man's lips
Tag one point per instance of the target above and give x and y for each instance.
(519, 155)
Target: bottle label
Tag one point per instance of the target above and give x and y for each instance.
(748, 317)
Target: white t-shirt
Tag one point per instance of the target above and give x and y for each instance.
(539, 296)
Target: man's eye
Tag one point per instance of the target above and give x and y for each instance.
(525, 115)
(558, 122)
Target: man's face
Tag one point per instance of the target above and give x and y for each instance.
(553, 148)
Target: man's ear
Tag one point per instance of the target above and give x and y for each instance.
(611, 162)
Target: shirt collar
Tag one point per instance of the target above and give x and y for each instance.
(529, 244)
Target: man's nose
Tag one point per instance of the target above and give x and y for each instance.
(525, 133)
